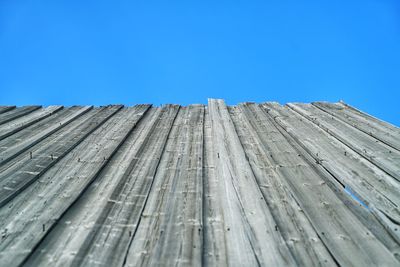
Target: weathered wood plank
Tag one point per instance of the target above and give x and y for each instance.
(388, 126)
(71, 238)
(16, 125)
(247, 229)
(170, 230)
(363, 213)
(34, 129)
(370, 184)
(24, 172)
(273, 162)
(4, 109)
(15, 145)
(349, 243)
(382, 131)
(113, 225)
(214, 244)
(249, 185)
(380, 154)
(29, 216)
(16, 113)
(119, 219)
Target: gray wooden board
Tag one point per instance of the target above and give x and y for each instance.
(16, 144)
(74, 232)
(380, 154)
(247, 185)
(214, 229)
(364, 214)
(120, 217)
(16, 113)
(248, 225)
(385, 125)
(40, 206)
(16, 125)
(114, 193)
(4, 109)
(36, 129)
(127, 202)
(303, 241)
(326, 212)
(170, 230)
(383, 132)
(374, 187)
(16, 178)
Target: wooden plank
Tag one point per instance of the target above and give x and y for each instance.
(382, 131)
(116, 206)
(369, 183)
(276, 163)
(240, 186)
(16, 125)
(15, 145)
(246, 228)
(388, 126)
(28, 217)
(35, 129)
(363, 213)
(119, 219)
(273, 161)
(21, 174)
(16, 113)
(4, 109)
(380, 154)
(214, 244)
(72, 236)
(170, 230)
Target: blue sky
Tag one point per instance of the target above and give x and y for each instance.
(101, 52)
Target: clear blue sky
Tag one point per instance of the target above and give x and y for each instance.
(101, 52)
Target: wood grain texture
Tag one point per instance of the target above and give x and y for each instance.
(36, 209)
(18, 124)
(15, 113)
(272, 160)
(379, 153)
(42, 157)
(246, 185)
(375, 188)
(326, 212)
(170, 229)
(4, 109)
(248, 226)
(18, 143)
(382, 131)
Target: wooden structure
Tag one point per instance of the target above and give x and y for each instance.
(216, 185)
